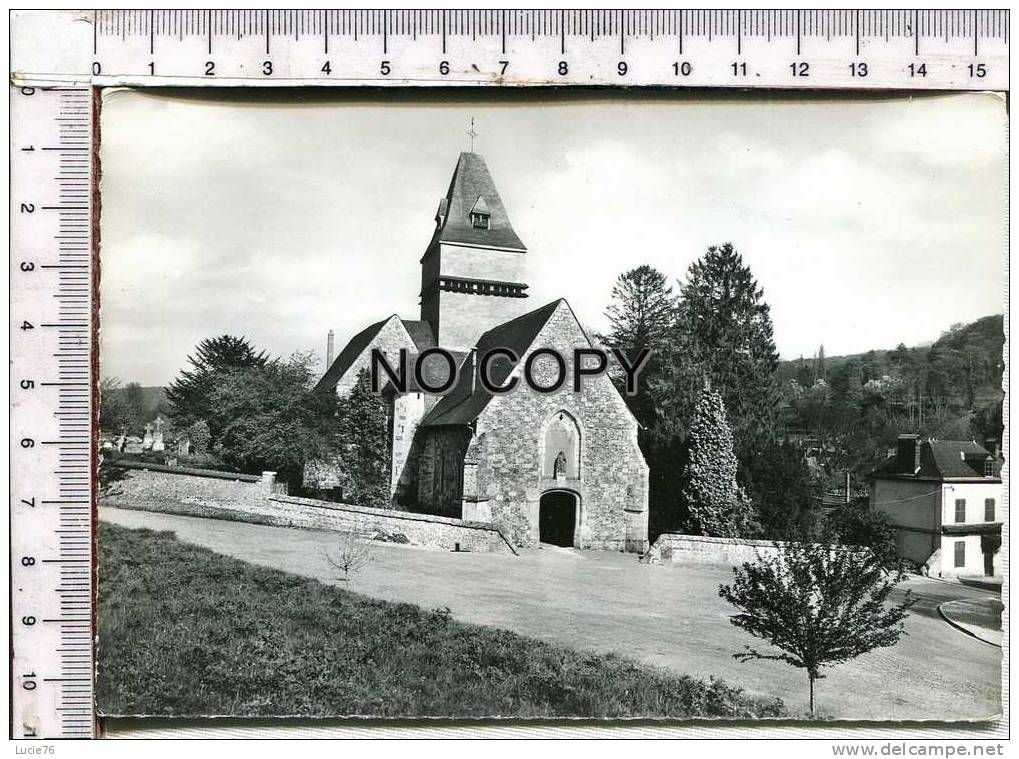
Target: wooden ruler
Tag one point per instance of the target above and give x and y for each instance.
(51, 412)
(857, 49)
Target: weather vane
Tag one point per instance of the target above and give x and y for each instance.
(472, 134)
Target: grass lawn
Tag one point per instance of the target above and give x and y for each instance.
(185, 631)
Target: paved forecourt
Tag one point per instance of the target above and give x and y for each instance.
(609, 602)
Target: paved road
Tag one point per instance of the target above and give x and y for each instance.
(666, 616)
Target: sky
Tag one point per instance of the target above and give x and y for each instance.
(867, 221)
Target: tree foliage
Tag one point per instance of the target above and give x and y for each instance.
(858, 525)
(269, 419)
(724, 332)
(716, 505)
(818, 604)
(641, 314)
(363, 445)
(190, 395)
(782, 488)
(115, 415)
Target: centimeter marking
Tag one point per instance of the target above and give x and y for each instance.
(51, 413)
(914, 49)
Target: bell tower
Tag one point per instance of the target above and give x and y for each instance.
(473, 270)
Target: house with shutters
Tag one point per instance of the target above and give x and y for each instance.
(559, 467)
(944, 498)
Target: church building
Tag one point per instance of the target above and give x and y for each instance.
(560, 467)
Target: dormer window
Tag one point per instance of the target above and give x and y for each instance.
(989, 468)
(480, 215)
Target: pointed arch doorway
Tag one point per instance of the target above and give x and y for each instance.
(557, 518)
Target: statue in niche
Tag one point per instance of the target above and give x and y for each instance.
(559, 466)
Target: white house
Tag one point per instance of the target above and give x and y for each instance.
(944, 498)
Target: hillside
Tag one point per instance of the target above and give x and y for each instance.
(979, 342)
(853, 407)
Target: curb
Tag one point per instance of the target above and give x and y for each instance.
(968, 630)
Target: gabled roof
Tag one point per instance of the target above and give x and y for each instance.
(942, 460)
(420, 332)
(470, 186)
(349, 354)
(468, 399)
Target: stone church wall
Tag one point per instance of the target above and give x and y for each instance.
(440, 469)
(325, 475)
(613, 475)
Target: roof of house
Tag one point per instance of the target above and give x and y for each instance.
(420, 332)
(468, 399)
(942, 460)
(472, 188)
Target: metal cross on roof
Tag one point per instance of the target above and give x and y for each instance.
(472, 134)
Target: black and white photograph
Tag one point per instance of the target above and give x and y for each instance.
(530, 405)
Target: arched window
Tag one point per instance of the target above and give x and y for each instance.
(561, 459)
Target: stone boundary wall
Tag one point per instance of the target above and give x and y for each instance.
(213, 473)
(444, 533)
(164, 487)
(693, 550)
(672, 548)
(179, 491)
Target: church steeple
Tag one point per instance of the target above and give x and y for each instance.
(472, 271)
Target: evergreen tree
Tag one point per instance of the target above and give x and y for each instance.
(724, 333)
(716, 505)
(364, 451)
(819, 604)
(190, 393)
(641, 314)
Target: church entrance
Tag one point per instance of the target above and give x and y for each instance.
(557, 518)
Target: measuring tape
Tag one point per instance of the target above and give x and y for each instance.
(56, 58)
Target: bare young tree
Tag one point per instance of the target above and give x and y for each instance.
(819, 604)
(353, 553)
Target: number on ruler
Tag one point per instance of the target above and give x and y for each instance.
(858, 69)
(918, 69)
(682, 68)
(800, 68)
(739, 68)
(977, 70)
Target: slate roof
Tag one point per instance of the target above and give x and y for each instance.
(354, 348)
(420, 333)
(470, 186)
(942, 460)
(461, 405)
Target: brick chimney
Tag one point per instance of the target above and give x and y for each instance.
(330, 349)
(908, 454)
